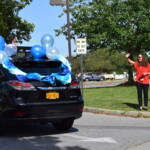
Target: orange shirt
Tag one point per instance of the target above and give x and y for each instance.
(140, 70)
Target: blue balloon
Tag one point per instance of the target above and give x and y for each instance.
(2, 43)
(47, 41)
(37, 51)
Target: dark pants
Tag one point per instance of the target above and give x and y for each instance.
(144, 88)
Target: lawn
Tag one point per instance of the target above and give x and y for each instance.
(115, 98)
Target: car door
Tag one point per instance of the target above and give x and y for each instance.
(95, 77)
(91, 76)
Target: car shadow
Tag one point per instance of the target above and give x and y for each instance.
(33, 129)
(132, 105)
(36, 136)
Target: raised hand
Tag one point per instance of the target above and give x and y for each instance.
(128, 55)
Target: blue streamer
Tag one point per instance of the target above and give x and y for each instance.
(64, 77)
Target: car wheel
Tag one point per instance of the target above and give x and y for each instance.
(64, 124)
(101, 79)
(86, 79)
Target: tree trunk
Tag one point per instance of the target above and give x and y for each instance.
(130, 73)
(130, 79)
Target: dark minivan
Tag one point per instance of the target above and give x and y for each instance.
(36, 101)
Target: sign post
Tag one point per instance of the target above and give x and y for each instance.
(81, 49)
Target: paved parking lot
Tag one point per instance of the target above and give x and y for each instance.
(91, 132)
(103, 83)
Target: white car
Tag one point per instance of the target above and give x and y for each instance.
(109, 76)
(119, 76)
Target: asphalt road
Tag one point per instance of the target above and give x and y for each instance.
(91, 132)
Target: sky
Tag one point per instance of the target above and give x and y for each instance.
(45, 18)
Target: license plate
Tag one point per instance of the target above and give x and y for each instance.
(52, 95)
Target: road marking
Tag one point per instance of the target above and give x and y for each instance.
(87, 139)
(80, 138)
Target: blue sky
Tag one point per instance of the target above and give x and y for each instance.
(45, 18)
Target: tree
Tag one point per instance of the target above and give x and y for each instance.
(122, 25)
(101, 61)
(118, 24)
(11, 23)
(75, 64)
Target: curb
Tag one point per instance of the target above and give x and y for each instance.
(144, 146)
(117, 112)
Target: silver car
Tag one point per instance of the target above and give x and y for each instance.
(90, 76)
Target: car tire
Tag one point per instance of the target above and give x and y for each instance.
(64, 124)
(86, 79)
(101, 79)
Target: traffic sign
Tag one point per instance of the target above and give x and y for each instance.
(81, 47)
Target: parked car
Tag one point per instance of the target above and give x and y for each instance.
(37, 101)
(119, 76)
(109, 76)
(90, 76)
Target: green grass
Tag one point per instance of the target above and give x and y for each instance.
(115, 98)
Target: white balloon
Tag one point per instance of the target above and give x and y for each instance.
(52, 53)
(10, 49)
(47, 41)
(3, 57)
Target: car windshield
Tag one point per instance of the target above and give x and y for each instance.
(41, 67)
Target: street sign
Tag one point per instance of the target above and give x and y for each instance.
(57, 2)
(81, 46)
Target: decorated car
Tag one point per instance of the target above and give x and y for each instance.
(37, 86)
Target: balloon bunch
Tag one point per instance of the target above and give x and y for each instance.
(47, 41)
(52, 53)
(37, 52)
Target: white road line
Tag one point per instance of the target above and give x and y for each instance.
(80, 138)
(87, 139)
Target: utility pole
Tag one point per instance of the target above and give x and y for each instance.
(68, 25)
(63, 2)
